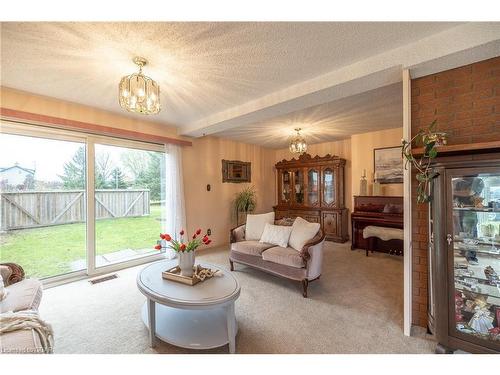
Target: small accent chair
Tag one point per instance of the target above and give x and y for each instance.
(303, 266)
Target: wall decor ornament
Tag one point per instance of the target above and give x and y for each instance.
(236, 171)
(363, 184)
(388, 165)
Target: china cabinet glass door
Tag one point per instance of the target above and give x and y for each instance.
(474, 239)
(286, 186)
(312, 187)
(328, 186)
(298, 186)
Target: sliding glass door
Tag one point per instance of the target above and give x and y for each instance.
(43, 204)
(128, 191)
(75, 203)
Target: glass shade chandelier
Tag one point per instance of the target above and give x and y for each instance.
(139, 93)
(298, 143)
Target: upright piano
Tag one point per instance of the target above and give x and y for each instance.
(381, 211)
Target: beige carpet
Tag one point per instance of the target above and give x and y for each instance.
(356, 307)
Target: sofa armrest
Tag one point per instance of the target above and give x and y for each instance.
(237, 234)
(16, 273)
(318, 238)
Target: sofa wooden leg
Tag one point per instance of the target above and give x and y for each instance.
(231, 265)
(305, 283)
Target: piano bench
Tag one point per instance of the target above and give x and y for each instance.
(393, 238)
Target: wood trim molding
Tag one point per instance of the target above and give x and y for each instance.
(407, 213)
(66, 124)
(461, 149)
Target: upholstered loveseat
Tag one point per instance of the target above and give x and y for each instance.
(302, 265)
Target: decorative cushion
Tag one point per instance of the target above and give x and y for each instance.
(250, 247)
(302, 231)
(24, 295)
(284, 255)
(255, 225)
(276, 234)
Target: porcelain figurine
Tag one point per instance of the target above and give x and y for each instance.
(481, 321)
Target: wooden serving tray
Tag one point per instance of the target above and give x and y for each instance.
(174, 274)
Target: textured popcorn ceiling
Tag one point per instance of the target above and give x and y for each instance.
(370, 111)
(202, 68)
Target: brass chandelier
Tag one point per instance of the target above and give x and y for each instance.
(139, 93)
(298, 143)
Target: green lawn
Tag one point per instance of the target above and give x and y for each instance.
(48, 251)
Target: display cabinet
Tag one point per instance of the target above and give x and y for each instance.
(465, 255)
(313, 188)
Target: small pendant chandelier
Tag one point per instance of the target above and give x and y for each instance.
(298, 143)
(139, 93)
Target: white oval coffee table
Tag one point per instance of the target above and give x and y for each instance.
(195, 317)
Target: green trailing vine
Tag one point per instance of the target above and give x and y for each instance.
(429, 139)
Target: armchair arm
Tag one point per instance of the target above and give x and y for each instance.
(237, 234)
(318, 238)
(16, 273)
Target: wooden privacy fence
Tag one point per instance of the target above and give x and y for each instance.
(43, 208)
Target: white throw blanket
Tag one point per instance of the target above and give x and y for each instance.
(384, 233)
(28, 319)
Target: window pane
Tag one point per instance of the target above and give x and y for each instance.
(42, 205)
(128, 191)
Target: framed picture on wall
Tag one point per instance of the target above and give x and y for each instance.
(388, 165)
(236, 171)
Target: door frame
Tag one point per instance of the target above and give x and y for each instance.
(407, 215)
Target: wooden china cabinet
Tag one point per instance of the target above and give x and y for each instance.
(313, 188)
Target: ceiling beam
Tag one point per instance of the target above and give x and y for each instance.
(447, 48)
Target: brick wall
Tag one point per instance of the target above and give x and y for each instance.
(466, 104)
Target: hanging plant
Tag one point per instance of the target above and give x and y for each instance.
(429, 139)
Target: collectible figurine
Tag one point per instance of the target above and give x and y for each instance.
(482, 320)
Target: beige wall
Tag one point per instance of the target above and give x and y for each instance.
(362, 146)
(27, 102)
(202, 166)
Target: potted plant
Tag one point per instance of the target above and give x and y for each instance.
(429, 139)
(185, 251)
(245, 201)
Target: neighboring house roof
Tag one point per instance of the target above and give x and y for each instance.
(27, 170)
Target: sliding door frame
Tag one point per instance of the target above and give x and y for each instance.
(89, 140)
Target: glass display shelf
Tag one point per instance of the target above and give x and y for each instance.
(484, 290)
(481, 280)
(486, 250)
(478, 209)
(480, 241)
(476, 253)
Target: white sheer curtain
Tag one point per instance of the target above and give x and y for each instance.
(174, 212)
